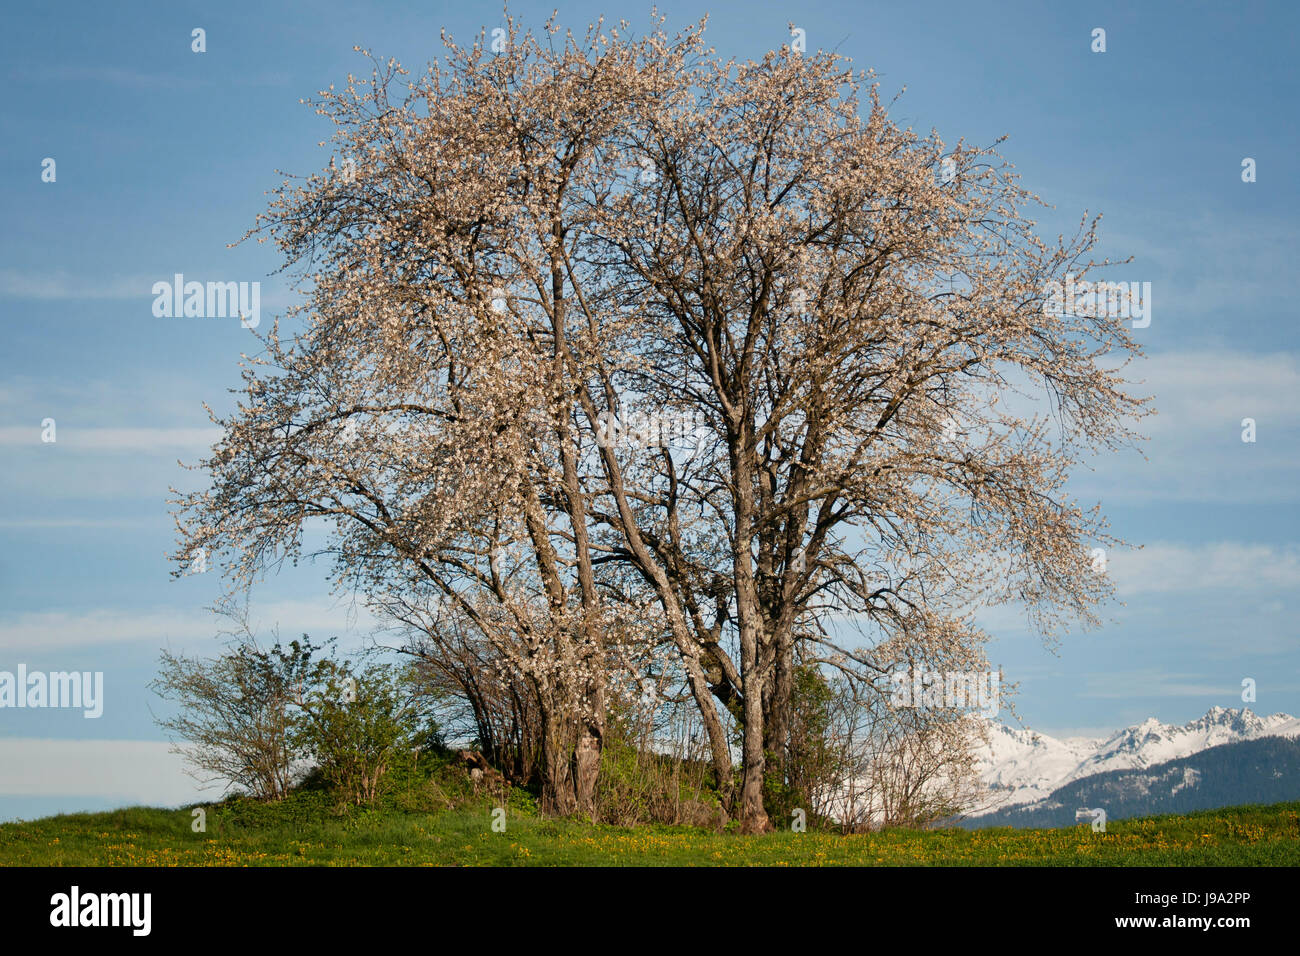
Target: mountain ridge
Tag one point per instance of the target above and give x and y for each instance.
(1258, 771)
(1021, 767)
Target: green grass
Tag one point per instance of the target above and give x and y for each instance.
(306, 831)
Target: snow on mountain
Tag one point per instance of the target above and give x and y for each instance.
(1022, 766)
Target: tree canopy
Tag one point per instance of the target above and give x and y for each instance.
(524, 249)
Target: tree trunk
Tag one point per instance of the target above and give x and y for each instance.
(590, 743)
(558, 796)
(776, 717)
(718, 745)
(753, 815)
(586, 766)
(749, 618)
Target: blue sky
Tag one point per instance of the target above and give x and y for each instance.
(163, 156)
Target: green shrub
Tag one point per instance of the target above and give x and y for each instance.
(359, 726)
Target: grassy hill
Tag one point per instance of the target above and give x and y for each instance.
(305, 831)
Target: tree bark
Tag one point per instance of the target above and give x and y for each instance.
(558, 795)
(586, 766)
(776, 717)
(753, 815)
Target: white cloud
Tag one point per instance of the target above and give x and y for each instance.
(16, 284)
(1077, 733)
(1249, 251)
(54, 523)
(1215, 567)
(50, 630)
(157, 397)
(137, 80)
(1196, 452)
(1199, 390)
(134, 771)
(1147, 683)
(112, 440)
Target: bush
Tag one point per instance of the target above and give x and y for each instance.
(637, 785)
(810, 764)
(236, 722)
(360, 725)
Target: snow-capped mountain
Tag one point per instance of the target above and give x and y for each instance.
(1022, 766)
